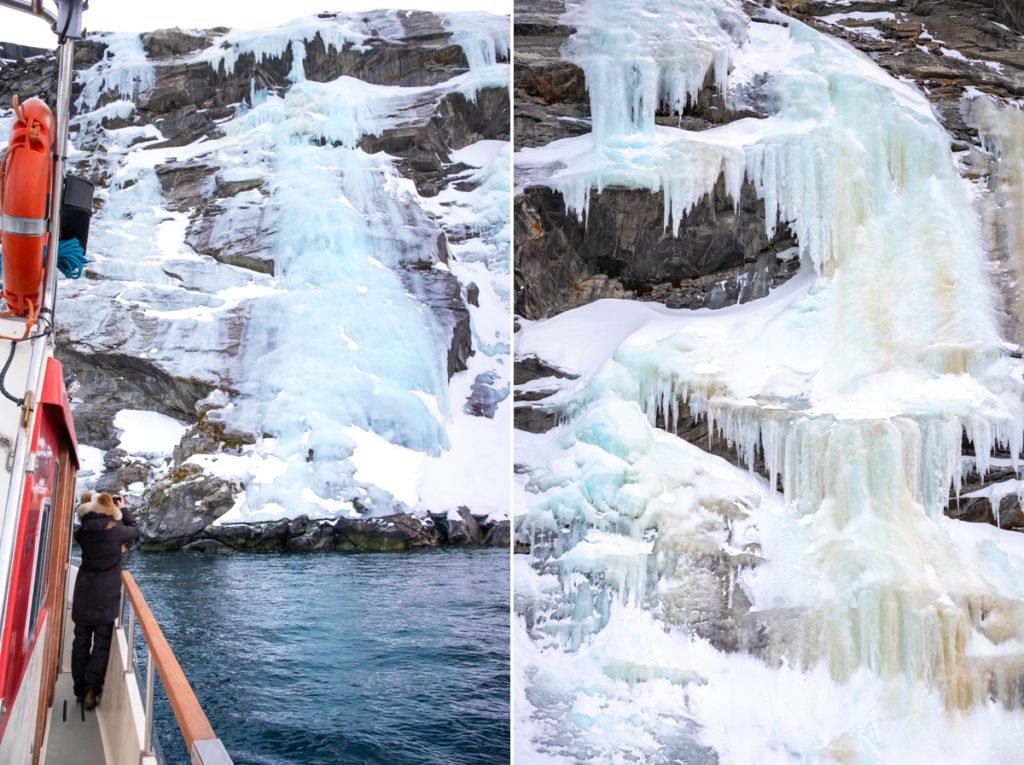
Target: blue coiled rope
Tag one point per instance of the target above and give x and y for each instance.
(71, 258)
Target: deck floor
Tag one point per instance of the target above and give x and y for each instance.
(74, 733)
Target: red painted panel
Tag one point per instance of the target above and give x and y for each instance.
(16, 644)
(54, 394)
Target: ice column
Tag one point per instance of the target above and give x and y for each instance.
(1002, 131)
(633, 61)
(343, 343)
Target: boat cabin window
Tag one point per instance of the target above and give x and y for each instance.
(39, 580)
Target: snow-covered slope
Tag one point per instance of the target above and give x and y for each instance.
(303, 234)
(676, 608)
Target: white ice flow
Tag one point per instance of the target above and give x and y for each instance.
(340, 369)
(676, 608)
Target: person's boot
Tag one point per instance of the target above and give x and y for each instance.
(90, 699)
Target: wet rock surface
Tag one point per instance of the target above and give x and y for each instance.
(388, 533)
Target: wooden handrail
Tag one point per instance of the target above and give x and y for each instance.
(191, 718)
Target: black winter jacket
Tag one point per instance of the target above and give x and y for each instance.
(98, 586)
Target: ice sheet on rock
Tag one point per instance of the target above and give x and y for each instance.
(339, 32)
(124, 69)
(343, 228)
(854, 385)
(483, 37)
(834, 18)
(338, 264)
(1001, 128)
(633, 61)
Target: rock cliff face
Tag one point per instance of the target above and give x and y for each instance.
(622, 249)
(192, 236)
(958, 52)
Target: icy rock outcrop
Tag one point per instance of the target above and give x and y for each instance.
(662, 583)
(243, 208)
(624, 249)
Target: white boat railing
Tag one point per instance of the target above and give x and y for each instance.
(203, 745)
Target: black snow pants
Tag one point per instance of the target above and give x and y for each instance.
(90, 652)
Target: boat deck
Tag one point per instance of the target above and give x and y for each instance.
(74, 733)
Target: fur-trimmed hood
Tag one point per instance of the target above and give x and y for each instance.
(101, 504)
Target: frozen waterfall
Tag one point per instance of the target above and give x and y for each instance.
(663, 582)
(332, 343)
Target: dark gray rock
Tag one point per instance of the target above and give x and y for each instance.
(305, 535)
(498, 535)
(1008, 515)
(168, 43)
(208, 546)
(550, 94)
(425, 150)
(235, 534)
(623, 241)
(207, 436)
(530, 368)
(235, 235)
(122, 470)
(110, 382)
(424, 58)
(441, 292)
(463, 530)
(484, 397)
(272, 535)
(386, 534)
(32, 77)
(1011, 11)
(186, 185)
(530, 413)
(177, 510)
(533, 418)
(226, 188)
(10, 51)
(186, 125)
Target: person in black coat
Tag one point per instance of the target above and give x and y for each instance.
(106, 525)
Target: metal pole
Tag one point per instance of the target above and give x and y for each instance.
(131, 639)
(36, 9)
(65, 61)
(147, 747)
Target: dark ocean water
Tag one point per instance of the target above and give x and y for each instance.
(316, 659)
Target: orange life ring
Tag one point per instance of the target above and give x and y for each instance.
(27, 172)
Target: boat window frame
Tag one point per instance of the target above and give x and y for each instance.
(41, 555)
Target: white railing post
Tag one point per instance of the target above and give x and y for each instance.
(147, 748)
(130, 637)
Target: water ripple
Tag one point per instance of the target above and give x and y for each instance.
(325, 659)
